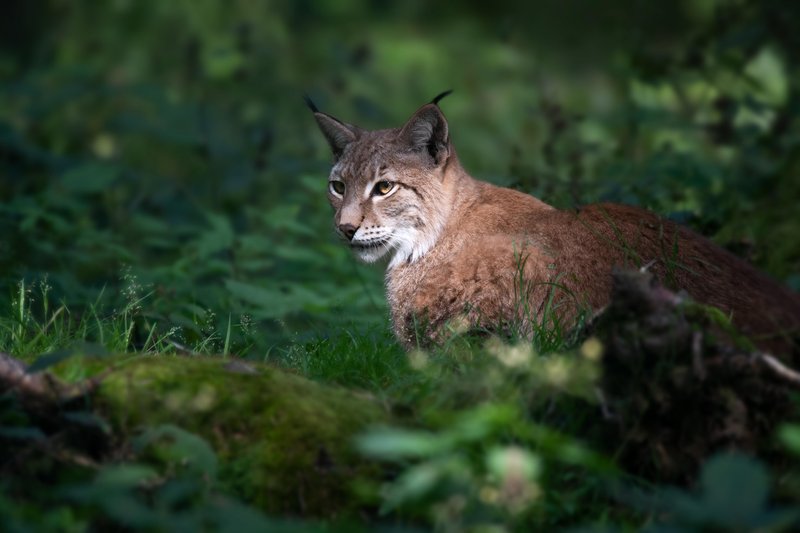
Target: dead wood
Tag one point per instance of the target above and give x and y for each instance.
(680, 383)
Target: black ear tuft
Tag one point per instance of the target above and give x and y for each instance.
(310, 104)
(436, 100)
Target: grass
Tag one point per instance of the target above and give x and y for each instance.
(34, 325)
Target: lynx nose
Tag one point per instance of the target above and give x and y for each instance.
(348, 230)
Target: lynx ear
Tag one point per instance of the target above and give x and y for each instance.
(426, 132)
(338, 134)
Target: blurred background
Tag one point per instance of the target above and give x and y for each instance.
(158, 157)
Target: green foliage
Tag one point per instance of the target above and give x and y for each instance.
(732, 496)
(485, 467)
(181, 493)
(491, 455)
(162, 192)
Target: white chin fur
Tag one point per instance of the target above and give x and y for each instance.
(408, 245)
(371, 255)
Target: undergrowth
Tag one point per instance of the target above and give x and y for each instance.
(494, 439)
(169, 200)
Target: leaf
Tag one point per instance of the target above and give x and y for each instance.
(299, 254)
(130, 475)
(177, 492)
(734, 489)
(392, 444)
(274, 303)
(477, 424)
(128, 510)
(218, 237)
(22, 433)
(89, 419)
(176, 445)
(789, 435)
(89, 178)
(49, 359)
(53, 358)
(222, 61)
(413, 484)
(229, 515)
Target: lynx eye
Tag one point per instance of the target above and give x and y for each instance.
(337, 187)
(382, 188)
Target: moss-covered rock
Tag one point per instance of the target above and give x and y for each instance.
(284, 443)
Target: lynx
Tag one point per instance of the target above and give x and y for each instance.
(465, 253)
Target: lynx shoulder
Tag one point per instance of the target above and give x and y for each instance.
(465, 253)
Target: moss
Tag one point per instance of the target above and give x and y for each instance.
(283, 442)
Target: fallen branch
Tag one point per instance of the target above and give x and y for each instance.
(789, 375)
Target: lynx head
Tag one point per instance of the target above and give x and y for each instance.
(386, 186)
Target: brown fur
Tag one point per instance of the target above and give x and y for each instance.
(470, 253)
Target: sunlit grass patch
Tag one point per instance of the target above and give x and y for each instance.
(34, 324)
